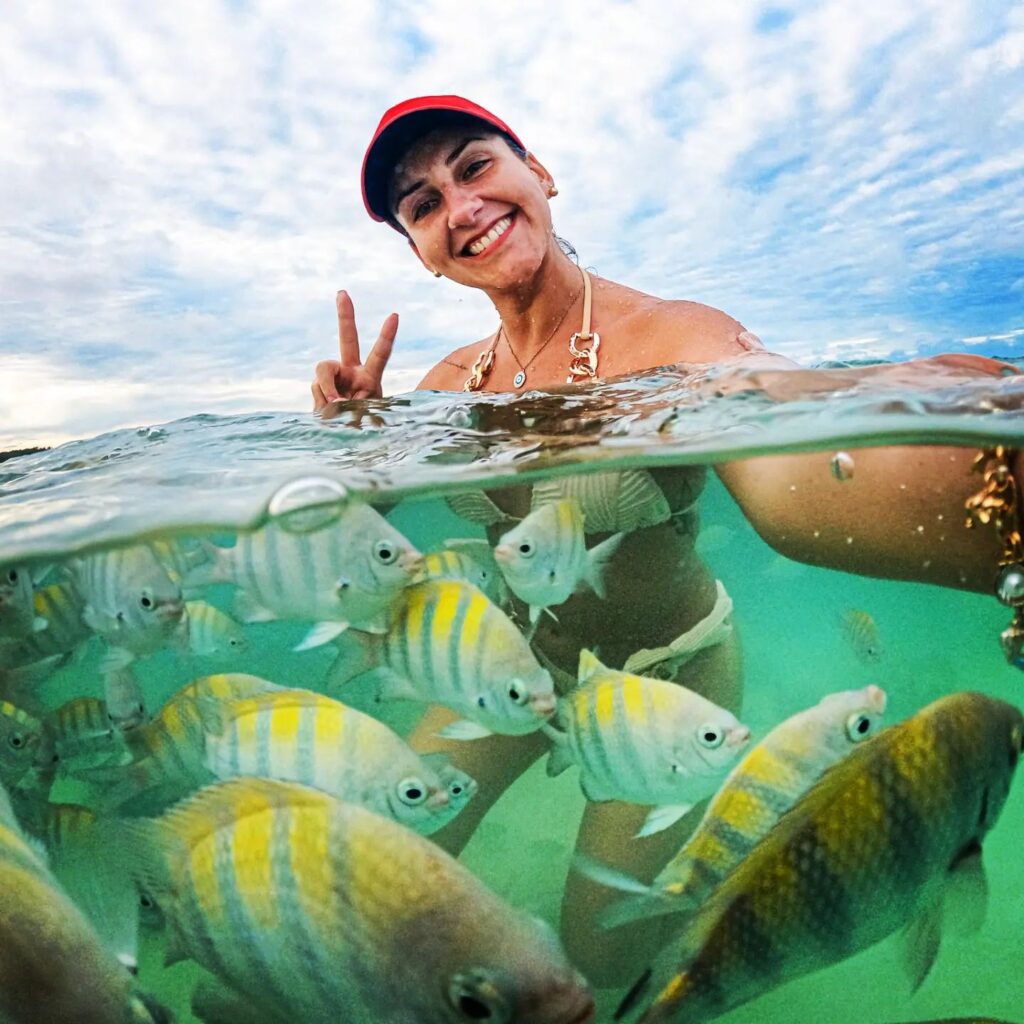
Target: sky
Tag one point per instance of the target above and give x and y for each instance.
(179, 197)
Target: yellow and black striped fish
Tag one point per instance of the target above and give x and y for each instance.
(321, 911)
(865, 852)
(21, 737)
(61, 606)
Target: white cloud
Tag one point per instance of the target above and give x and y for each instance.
(179, 196)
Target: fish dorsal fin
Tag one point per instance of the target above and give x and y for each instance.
(589, 666)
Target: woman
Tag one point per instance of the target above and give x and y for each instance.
(474, 206)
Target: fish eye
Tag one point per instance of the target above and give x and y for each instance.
(384, 551)
(858, 726)
(12, 575)
(710, 736)
(481, 702)
(146, 601)
(455, 789)
(412, 792)
(16, 740)
(526, 549)
(146, 901)
(475, 997)
(517, 694)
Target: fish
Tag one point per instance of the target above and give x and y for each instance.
(130, 602)
(544, 559)
(61, 606)
(643, 740)
(471, 560)
(21, 737)
(756, 793)
(611, 502)
(461, 786)
(448, 644)
(163, 760)
(213, 633)
(54, 965)
(80, 733)
(477, 507)
(320, 910)
(344, 575)
(300, 736)
(18, 618)
(868, 851)
(862, 635)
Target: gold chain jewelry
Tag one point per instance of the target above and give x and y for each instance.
(485, 361)
(998, 503)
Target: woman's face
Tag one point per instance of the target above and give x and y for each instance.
(473, 209)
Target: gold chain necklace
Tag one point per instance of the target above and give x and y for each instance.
(582, 365)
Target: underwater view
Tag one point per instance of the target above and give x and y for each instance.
(470, 707)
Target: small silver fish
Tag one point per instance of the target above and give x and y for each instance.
(611, 502)
(544, 559)
(213, 633)
(862, 635)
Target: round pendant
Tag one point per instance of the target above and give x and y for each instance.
(519, 379)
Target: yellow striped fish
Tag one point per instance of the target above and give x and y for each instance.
(163, 759)
(448, 644)
(622, 500)
(764, 785)
(643, 740)
(81, 734)
(544, 558)
(470, 560)
(300, 736)
(346, 574)
(862, 634)
(213, 633)
(868, 850)
(21, 742)
(61, 606)
(320, 910)
(54, 966)
(18, 618)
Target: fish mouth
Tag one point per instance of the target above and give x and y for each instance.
(503, 554)
(170, 611)
(438, 799)
(738, 737)
(543, 704)
(411, 562)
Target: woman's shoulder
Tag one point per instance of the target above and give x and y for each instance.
(451, 373)
(665, 331)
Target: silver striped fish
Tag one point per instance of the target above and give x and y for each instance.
(300, 736)
(448, 644)
(21, 739)
(18, 618)
(61, 606)
(346, 574)
(213, 633)
(544, 559)
(321, 910)
(611, 502)
(470, 560)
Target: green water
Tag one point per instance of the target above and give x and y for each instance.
(934, 641)
(221, 474)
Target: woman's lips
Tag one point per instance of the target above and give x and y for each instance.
(510, 218)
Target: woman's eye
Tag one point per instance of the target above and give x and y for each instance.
(474, 167)
(421, 209)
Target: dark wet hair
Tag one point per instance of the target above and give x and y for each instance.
(455, 119)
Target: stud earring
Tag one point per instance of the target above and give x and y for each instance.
(553, 191)
(436, 273)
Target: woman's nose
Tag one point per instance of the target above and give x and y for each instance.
(463, 206)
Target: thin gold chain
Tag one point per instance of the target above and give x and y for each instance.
(547, 340)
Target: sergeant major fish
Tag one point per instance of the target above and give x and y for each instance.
(447, 644)
(320, 910)
(470, 560)
(765, 784)
(643, 740)
(17, 612)
(213, 633)
(61, 606)
(300, 736)
(868, 850)
(544, 558)
(344, 575)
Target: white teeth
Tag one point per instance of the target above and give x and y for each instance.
(493, 235)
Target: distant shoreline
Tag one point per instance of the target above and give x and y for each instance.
(15, 452)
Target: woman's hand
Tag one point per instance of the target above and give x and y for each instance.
(349, 378)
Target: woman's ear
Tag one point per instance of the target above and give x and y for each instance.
(540, 172)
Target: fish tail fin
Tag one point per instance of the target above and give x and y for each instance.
(359, 655)
(217, 568)
(598, 559)
(561, 756)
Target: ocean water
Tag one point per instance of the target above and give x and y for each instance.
(212, 477)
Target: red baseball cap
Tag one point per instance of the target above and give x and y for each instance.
(398, 129)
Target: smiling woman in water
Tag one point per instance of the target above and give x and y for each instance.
(474, 205)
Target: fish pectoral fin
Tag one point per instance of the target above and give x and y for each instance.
(39, 624)
(966, 896)
(561, 756)
(114, 660)
(921, 939)
(662, 818)
(358, 655)
(322, 633)
(392, 686)
(463, 729)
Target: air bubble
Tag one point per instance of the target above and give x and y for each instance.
(307, 504)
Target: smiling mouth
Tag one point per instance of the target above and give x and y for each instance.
(480, 245)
